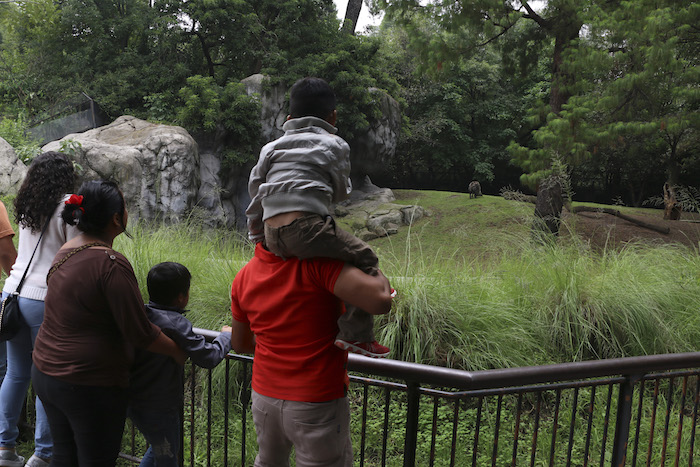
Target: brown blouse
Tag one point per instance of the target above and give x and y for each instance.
(94, 317)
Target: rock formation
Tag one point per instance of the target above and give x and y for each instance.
(157, 166)
(372, 213)
(12, 170)
(165, 177)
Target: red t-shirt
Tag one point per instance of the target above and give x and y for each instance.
(293, 313)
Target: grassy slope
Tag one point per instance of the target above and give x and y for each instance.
(457, 228)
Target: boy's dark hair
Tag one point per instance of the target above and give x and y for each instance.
(311, 97)
(166, 281)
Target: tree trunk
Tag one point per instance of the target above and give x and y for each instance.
(561, 80)
(548, 209)
(672, 211)
(352, 14)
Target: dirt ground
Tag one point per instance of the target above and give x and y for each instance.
(602, 228)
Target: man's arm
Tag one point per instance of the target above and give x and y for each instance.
(369, 293)
(242, 338)
(8, 253)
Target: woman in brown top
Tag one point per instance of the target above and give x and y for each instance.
(94, 319)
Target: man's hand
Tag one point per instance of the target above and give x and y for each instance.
(226, 329)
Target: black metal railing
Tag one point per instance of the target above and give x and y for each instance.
(606, 412)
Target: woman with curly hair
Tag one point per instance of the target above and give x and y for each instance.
(38, 207)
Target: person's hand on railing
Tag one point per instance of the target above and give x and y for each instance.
(226, 329)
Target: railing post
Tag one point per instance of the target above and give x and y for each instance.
(409, 451)
(624, 416)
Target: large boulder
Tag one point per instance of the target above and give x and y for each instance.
(372, 150)
(12, 170)
(156, 166)
(273, 106)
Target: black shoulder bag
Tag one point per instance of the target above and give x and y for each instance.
(10, 317)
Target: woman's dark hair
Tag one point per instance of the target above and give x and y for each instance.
(49, 178)
(165, 281)
(101, 200)
(311, 97)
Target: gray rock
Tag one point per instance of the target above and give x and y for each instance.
(12, 170)
(273, 102)
(156, 166)
(372, 151)
(412, 214)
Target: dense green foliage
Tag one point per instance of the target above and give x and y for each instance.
(489, 89)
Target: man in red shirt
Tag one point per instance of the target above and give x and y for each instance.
(286, 312)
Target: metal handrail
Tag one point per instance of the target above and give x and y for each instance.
(508, 377)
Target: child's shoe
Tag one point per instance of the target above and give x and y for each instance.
(9, 458)
(36, 461)
(368, 349)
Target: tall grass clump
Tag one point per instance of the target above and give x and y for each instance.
(616, 303)
(449, 314)
(526, 303)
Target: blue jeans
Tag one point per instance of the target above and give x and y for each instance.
(14, 386)
(161, 428)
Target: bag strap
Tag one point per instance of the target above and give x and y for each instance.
(26, 270)
(71, 253)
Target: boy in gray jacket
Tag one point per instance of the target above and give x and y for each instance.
(156, 381)
(292, 187)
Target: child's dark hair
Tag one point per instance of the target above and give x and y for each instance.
(166, 281)
(311, 97)
(101, 199)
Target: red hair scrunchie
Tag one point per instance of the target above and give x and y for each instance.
(76, 200)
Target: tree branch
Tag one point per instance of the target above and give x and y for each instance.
(532, 14)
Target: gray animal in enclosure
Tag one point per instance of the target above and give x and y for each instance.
(474, 189)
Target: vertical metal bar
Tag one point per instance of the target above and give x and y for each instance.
(193, 370)
(208, 418)
(535, 431)
(642, 388)
(433, 434)
(680, 421)
(496, 430)
(385, 439)
(695, 420)
(363, 431)
(572, 426)
(555, 423)
(667, 420)
(246, 395)
(227, 387)
(606, 424)
(624, 416)
(589, 429)
(652, 423)
(413, 402)
(455, 422)
(516, 433)
(477, 428)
